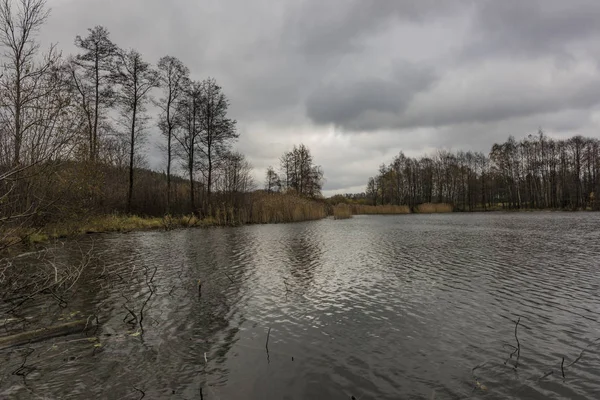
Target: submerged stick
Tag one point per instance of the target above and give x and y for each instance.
(518, 343)
(199, 288)
(518, 348)
(562, 367)
(229, 277)
(45, 333)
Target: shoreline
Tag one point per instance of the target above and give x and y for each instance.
(113, 223)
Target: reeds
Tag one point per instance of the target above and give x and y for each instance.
(433, 208)
(342, 211)
(360, 209)
(264, 208)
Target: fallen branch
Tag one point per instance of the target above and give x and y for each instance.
(41, 334)
(518, 348)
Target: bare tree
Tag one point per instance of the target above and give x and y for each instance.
(188, 114)
(235, 174)
(174, 78)
(136, 78)
(22, 74)
(217, 131)
(272, 181)
(301, 175)
(91, 78)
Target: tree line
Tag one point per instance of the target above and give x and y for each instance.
(536, 172)
(75, 120)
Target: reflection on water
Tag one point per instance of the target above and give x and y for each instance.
(373, 307)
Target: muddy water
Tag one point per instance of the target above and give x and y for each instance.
(373, 307)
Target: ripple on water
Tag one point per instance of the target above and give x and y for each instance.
(376, 307)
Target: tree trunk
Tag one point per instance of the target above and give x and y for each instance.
(131, 156)
(94, 142)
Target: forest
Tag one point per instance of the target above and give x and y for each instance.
(537, 172)
(74, 135)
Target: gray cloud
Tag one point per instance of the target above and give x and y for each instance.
(367, 103)
(533, 27)
(358, 81)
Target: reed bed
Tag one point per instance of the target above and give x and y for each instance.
(433, 208)
(360, 209)
(264, 208)
(342, 211)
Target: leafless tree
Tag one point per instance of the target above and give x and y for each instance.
(174, 79)
(136, 78)
(37, 124)
(188, 137)
(272, 181)
(90, 77)
(218, 131)
(235, 174)
(300, 174)
(23, 74)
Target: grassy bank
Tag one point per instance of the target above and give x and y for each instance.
(251, 208)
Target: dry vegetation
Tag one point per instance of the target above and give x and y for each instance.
(263, 208)
(433, 208)
(342, 211)
(359, 209)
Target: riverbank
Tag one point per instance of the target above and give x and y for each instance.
(253, 208)
(344, 211)
(262, 209)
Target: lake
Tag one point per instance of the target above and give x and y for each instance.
(448, 306)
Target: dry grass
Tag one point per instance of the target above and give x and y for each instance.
(342, 211)
(432, 208)
(358, 209)
(276, 208)
(255, 208)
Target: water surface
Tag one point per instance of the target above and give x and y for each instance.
(375, 307)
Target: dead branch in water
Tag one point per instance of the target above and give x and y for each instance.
(149, 283)
(46, 275)
(518, 348)
(45, 333)
(267, 345)
(227, 275)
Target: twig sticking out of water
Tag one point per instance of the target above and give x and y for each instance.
(24, 370)
(518, 348)
(229, 277)
(199, 288)
(141, 391)
(583, 351)
(547, 374)
(151, 290)
(201, 395)
(268, 334)
(267, 345)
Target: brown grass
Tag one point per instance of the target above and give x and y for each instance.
(432, 208)
(358, 209)
(342, 211)
(263, 208)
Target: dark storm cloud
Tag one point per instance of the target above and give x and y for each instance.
(327, 28)
(359, 80)
(529, 28)
(362, 105)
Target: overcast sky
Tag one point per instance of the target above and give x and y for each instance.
(358, 81)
